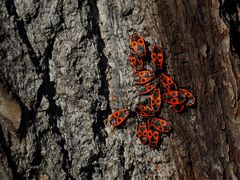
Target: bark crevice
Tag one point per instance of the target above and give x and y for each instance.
(103, 90)
(8, 153)
(229, 13)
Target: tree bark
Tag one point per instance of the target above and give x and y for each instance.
(64, 68)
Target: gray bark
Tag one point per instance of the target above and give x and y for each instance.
(64, 68)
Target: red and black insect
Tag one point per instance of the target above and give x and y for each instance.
(158, 87)
(144, 110)
(178, 108)
(153, 136)
(118, 117)
(143, 132)
(161, 125)
(156, 99)
(157, 57)
(178, 99)
(138, 45)
(150, 130)
(148, 87)
(190, 98)
(135, 61)
(167, 82)
(144, 76)
(147, 134)
(174, 97)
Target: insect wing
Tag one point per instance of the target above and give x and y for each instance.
(152, 135)
(157, 57)
(118, 117)
(174, 97)
(144, 111)
(191, 100)
(135, 62)
(138, 45)
(161, 125)
(143, 77)
(148, 87)
(167, 82)
(156, 99)
(178, 108)
(142, 132)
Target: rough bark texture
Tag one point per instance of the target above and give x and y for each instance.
(65, 64)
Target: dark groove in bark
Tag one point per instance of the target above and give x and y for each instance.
(102, 66)
(103, 91)
(27, 120)
(11, 8)
(128, 172)
(87, 171)
(34, 16)
(47, 89)
(11, 161)
(80, 3)
(229, 13)
(121, 155)
(54, 111)
(27, 116)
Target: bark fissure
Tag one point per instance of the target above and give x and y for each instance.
(127, 172)
(46, 89)
(87, 171)
(10, 5)
(103, 91)
(31, 17)
(11, 161)
(54, 111)
(121, 155)
(229, 13)
(99, 113)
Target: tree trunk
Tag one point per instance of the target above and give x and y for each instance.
(64, 68)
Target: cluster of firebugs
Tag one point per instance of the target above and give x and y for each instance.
(158, 87)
